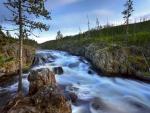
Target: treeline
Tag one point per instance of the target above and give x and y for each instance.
(6, 40)
(139, 35)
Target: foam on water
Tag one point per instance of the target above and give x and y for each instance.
(119, 95)
(113, 95)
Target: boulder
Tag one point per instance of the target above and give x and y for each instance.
(44, 96)
(45, 100)
(72, 65)
(39, 59)
(73, 97)
(58, 70)
(40, 77)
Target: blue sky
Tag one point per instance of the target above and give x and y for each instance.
(69, 15)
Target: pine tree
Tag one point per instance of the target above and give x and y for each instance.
(80, 31)
(8, 34)
(0, 28)
(127, 13)
(88, 25)
(59, 35)
(97, 24)
(24, 13)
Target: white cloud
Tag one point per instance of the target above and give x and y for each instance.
(68, 1)
(102, 12)
(57, 3)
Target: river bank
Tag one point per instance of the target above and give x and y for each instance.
(95, 93)
(111, 60)
(9, 59)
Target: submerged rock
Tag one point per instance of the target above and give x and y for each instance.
(58, 70)
(73, 97)
(72, 65)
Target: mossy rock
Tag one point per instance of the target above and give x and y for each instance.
(146, 74)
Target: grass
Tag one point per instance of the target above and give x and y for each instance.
(4, 59)
(147, 74)
(139, 35)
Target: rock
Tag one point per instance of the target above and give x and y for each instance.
(51, 101)
(44, 96)
(58, 70)
(72, 65)
(39, 59)
(90, 72)
(73, 97)
(97, 104)
(44, 101)
(40, 77)
(2, 74)
(10, 54)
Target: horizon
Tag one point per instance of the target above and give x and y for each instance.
(70, 15)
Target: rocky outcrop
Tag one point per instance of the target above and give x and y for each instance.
(117, 60)
(58, 70)
(40, 77)
(113, 59)
(9, 58)
(44, 96)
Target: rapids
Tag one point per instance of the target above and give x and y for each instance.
(96, 94)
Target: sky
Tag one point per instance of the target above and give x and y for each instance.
(70, 15)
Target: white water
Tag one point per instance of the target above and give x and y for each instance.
(96, 94)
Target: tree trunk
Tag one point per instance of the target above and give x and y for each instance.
(20, 46)
(127, 30)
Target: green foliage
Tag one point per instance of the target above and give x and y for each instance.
(4, 59)
(59, 35)
(147, 74)
(21, 11)
(5, 40)
(128, 10)
(1, 60)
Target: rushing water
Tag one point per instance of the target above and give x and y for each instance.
(96, 94)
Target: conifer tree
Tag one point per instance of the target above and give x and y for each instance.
(59, 35)
(127, 13)
(24, 13)
(8, 34)
(97, 24)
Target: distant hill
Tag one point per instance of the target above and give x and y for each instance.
(139, 34)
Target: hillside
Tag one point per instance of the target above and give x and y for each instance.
(110, 50)
(139, 34)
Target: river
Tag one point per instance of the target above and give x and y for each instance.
(96, 93)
